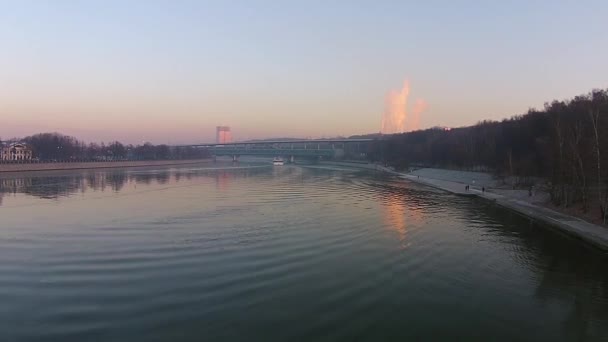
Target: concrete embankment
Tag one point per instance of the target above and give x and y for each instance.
(95, 165)
(456, 181)
(587, 232)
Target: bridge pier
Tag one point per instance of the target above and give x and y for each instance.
(235, 158)
(292, 159)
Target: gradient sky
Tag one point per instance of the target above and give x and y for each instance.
(170, 71)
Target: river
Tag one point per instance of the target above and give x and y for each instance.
(253, 252)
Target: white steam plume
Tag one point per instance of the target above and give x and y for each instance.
(414, 122)
(395, 110)
(395, 118)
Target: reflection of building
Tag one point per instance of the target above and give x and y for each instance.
(14, 185)
(223, 135)
(16, 151)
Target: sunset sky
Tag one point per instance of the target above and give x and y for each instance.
(170, 71)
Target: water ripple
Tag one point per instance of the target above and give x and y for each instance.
(293, 253)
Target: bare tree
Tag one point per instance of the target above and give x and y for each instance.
(578, 165)
(594, 114)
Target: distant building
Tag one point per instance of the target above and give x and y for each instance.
(223, 135)
(16, 151)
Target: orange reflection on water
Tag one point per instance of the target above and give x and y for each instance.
(222, 179)
(399, 217)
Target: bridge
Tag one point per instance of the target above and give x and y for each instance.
(308, 148)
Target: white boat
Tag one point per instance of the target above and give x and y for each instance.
(278, 161)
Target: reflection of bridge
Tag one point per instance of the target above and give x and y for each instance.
(310, 149)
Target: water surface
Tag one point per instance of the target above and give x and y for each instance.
(257, 253)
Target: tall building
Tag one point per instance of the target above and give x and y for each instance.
(223, 135)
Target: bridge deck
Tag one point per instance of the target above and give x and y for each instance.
(229, 151)
(282, 142)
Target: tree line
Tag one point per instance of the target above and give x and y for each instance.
(59, 147)
(565, 144)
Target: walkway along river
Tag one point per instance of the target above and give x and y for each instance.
(589, 233)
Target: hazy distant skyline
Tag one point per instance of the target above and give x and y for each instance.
(171, 71)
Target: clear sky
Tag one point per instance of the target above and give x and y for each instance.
(170, 71)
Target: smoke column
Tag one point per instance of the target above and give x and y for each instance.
(395, 117)
(419, 107)
(395, 110)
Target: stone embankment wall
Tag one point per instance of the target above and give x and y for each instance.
(93, 165)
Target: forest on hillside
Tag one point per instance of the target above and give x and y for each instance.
(565, 144)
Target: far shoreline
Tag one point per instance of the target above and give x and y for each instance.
(36, 167)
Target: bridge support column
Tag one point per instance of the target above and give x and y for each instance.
(235, 158)
(292, 159)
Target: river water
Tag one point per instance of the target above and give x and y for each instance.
(259, 253)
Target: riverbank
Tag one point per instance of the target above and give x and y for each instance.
(517, 201)
(11, 168)
(588, 232)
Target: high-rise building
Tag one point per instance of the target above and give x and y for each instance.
(223, 135)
